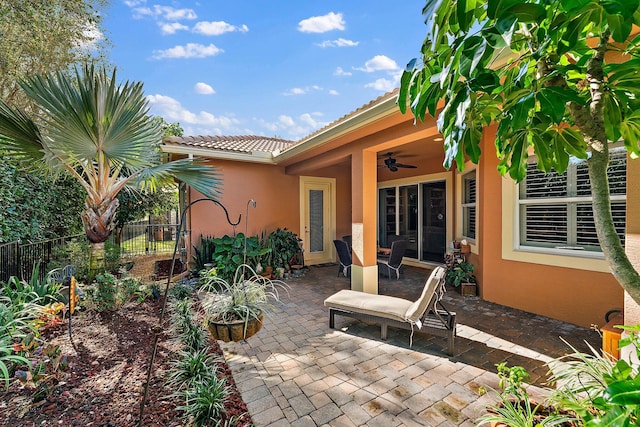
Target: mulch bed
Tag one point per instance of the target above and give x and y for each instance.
(108, 357)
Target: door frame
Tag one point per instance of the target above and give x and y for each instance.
(448, 178)
(329, 230)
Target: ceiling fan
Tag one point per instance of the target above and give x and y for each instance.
(392, 164)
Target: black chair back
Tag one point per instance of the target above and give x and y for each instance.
(398, 248)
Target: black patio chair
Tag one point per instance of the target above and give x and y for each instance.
(344, 255)
(394, 262)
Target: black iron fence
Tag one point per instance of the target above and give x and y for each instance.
(139, 238)
(18, 259)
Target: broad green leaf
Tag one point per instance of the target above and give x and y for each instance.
(496, 8)
(472, 52)
(551, 104)
(485, 81)
(620, 27)
(527, 12)
(541, 150)
(612, 116)
(624, 8)
(519, 155)
(571, 6)
(574, 143)
(464, 9)
(404, 89)
(560, 157)
(624, 392)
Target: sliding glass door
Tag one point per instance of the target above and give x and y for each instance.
(415, 213)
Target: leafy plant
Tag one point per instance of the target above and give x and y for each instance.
(600, 390)
(204, 253)
(460, 272)
(205, 400)
(515, 408)
(246, 297)
(110, 292)
(555, 77)
(191, 368)
(283, 245)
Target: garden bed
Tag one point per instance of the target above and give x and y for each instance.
(103, 385)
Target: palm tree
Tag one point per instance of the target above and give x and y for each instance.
(101, 133)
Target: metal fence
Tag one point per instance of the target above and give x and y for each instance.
(18, 259)
(139, 238)
(142, 238)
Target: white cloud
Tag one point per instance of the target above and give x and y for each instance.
(379, 63)
(301, 90)
(134, 3)
(333, 92)
(286, 121)
(293, 127)
(215, 28)
(338, 43)
(172, 111)
(322, 24)
(92, 36)
(203, 89)
(340, 72)
(383, 85)
(172, 28)
(165, 13)
(190, 50)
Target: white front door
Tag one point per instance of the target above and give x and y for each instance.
(317, 219)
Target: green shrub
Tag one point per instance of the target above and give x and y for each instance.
(109, 293)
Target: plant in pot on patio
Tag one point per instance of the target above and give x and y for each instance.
(234, 311)
(460, 274)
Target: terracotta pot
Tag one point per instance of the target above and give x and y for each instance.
(235, 331)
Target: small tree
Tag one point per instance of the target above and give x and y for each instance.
(557, 92)
(99, 132)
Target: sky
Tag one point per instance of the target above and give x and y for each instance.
(278, 68)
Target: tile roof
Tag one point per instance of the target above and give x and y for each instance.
(236, 143)
(372, 103)
(249, 144)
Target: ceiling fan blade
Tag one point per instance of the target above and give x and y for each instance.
(400, 165)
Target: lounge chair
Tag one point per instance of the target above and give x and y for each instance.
(344, 256)
(394, 262)
(426, 314)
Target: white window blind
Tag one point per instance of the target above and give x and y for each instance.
(469, 205)
(556, 210)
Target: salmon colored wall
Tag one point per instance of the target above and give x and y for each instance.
(342, 174)
(276, 195)
(572, 295)
(632, 242)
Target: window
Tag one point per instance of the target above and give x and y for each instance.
(469, 205)
(556, 210)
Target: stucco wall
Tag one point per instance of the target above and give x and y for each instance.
(275, 193)
(569, 294)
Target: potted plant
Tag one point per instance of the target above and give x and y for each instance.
(516, 409)
(460, 274)
(234, 310)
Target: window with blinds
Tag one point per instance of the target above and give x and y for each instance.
(469, 205)
(556, 210)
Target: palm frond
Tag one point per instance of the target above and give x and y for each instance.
(19, 135)
(92, 114)
(194, 172)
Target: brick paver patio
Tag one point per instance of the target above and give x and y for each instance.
(298, 372)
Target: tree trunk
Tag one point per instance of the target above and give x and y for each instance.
(96, 259)
(98, 223)
(590, 121)
(98, 219)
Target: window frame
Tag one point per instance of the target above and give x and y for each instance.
(571, 200)
(464, 177)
